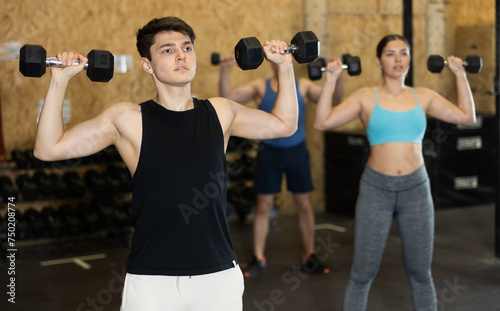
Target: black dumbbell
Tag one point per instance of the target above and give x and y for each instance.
(3, 228)
(88, 217)
(54, 224)
(113, 183)
(7, 189)
(122, 176)
(44, 184)
(351, 63)
(96, 183)
(22, 228)
(125, 214)
(216, 59)
(35, 222)
(105, 209)
(98, 158)
(19, 157)
(111, 154)
(68, 216)
(61, 189)
(33, 62)
(32, 160)
(27, 186)
(75, 184)
(122, 216)
(472, 64)
(304, 46)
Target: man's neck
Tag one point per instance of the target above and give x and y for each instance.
(175, 98)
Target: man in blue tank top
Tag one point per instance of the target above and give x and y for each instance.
(276, 157)
(182, 257)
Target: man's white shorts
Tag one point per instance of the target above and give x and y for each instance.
(215, 291)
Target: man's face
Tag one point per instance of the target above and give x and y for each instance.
(173, 59)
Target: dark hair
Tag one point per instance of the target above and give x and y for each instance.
(381, 45)
(146, 35)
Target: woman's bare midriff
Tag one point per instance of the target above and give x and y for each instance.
(396, 159)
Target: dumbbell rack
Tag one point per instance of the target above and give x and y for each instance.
(241, 160)
(110, 205)
(241, 155)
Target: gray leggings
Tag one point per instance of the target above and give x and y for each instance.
(381, 197)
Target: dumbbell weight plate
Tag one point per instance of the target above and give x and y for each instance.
(314, 69)
(435, 63)
(248, 53)
(53, 223)
(215, 59)
(353, 64)
(72, 224)
(308, 47)
(32, 61)
(474, 64)
(35, 223)
(101, 66)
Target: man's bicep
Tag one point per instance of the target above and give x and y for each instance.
(256, 124)
(87, 138)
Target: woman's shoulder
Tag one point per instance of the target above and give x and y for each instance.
(423, 94)
(420, 90)
(364, 92)
(366, 89)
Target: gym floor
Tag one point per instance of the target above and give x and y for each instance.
(466, 272)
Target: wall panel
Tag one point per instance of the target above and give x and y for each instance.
(353, 26)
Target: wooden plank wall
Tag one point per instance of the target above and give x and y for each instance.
(353, 26)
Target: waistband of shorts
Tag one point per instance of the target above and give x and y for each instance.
(234, 264)
(301, 144)
(192, 272)
(394, 183)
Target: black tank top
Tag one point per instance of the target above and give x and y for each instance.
(179, 195)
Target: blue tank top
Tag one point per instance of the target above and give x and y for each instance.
(386, 126)
(179, 195)
(299, 136)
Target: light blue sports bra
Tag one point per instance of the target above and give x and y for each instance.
(387, 126)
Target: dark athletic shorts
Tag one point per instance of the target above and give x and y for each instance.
(272, 162)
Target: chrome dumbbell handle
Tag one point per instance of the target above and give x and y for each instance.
(323, 69)
(54, 62)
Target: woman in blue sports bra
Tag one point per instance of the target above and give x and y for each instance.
(395, 182)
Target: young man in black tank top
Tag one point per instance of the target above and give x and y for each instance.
(182, 257)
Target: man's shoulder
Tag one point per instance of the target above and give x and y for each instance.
(223, 107)
(122, 109)
(216, 101)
